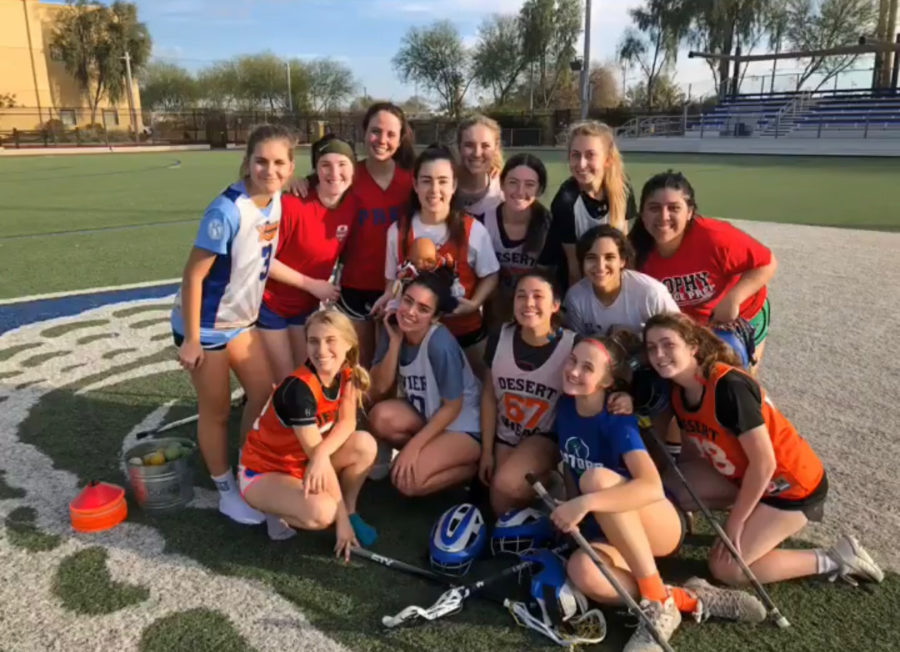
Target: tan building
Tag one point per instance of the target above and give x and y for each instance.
(41, 88)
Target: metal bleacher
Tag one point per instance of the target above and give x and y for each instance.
(856, 114)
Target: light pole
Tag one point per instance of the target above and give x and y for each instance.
(290, 102)
(586, 62)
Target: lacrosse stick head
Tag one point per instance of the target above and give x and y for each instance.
(457, 539)
(448, 604)
(519, 530)
(588, 628)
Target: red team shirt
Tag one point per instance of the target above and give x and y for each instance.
(377, 209)
(311, 237)
(708, 263)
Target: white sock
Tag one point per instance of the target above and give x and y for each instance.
(225, 482)
(824, 563)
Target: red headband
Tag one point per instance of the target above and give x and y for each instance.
(599, 345)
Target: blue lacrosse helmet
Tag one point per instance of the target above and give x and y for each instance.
(457, 539)
(519, 530)
(557, 599)
(733, 340)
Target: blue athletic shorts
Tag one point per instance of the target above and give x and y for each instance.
(210, 338)
(271, 321)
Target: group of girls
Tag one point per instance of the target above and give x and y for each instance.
(450, 293)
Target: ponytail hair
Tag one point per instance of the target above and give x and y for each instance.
(614, 183)
(359, 377)
(261, 134)
(615, 354)
(710, 349)
(640, 238)
(405, 155)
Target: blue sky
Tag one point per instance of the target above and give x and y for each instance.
(365, 34)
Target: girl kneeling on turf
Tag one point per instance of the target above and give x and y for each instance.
(314, 230)
(614, 481)
(521, 388)
(436, 422)
(219, 301)
(751, 460)
(715, 271)
(304, 461)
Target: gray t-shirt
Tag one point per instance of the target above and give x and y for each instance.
(444, 356)
(640, 298)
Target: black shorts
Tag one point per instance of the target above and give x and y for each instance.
(813, 505)
(357, 304)
(473, 337)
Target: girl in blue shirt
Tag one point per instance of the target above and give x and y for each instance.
(613, 480)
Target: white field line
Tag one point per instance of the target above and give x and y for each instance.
(74, 293)
(34, 618)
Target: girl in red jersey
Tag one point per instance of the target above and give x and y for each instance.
(751, 460)
(715, 272)
(435, 215)
(382, 186)
(597, 193)
(304, 461)
(478, 141)
(314, 230)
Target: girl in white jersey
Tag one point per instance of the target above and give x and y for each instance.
(435, 423)
(478, 140)
(219, 300)
(521, 388)
(519, 228)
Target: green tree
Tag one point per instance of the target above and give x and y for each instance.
(652, 44)
(331, 84)
(261, 81)
(299, 85)
(218, 86)
(167, 87)
(549, 30)
(91, 40)
(414, 105)
(667, 96)
(823, 24)
(499, 58)
(435, 57)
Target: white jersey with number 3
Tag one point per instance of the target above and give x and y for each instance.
(419, 386)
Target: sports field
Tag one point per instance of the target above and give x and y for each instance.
(80, 376)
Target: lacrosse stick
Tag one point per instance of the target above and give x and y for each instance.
(633, 606)
(586, 629)
(451, 601)
(774, 613)
(237, 399)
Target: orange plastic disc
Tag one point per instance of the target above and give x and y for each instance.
(100, 506)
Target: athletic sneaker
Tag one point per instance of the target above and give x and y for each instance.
(665, 618)
(233, 506)
(853, 561)
(724, 603)
(383, 459)
(278, 529)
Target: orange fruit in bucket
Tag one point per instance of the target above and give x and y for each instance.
(100, 506)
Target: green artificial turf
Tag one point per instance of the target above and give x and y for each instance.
(74, 222)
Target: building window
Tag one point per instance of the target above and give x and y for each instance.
(110, 118)
(67, 117)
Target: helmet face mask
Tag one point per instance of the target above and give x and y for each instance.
(558, 599)
(519, 530)
(457, 539)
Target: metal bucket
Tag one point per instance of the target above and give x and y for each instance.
(165, 487)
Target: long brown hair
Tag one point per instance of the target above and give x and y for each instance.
(640, 237)
(455, 221)
(405, 155)
(614, 185)
(260, 134)
(710, 349)
(359, 377)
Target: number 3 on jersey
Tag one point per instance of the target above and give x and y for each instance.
(524, 410)
(266, 254)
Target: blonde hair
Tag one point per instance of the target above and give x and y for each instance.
(342, 324)
(613, 184)
(262, 133)
(482, 120)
